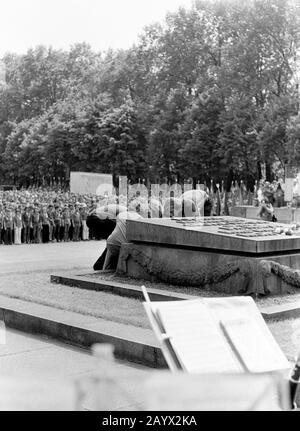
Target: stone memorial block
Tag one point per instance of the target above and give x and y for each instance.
(225, 254)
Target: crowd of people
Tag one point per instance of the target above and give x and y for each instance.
(42, 216)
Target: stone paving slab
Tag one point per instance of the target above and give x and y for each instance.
(29, 364)
(59, 256)
(64, 365)
(17, 343)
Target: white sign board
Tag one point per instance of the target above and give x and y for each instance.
(289, 189)
(90, 183)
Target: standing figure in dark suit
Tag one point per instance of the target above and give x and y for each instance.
(26, 225)
(8, 227)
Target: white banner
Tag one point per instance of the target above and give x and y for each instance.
(90, 183)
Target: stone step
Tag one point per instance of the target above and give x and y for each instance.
(279, 312)
(122, 289)
(131, 343)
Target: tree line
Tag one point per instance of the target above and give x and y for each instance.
(210, 93)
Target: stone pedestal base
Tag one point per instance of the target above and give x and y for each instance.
(213, 271)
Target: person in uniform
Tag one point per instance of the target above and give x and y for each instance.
(1, 225)
(26, 216)
(57, 223)
(85, 229)
(36, 225)
(45, 225)
(76, 221)
(71, 228)
(51, 222)
(8, 227)
(17, 223)
(66, 219)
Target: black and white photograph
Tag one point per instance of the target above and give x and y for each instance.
(149, 208)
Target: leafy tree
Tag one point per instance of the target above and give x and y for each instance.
(237, 146)
(121, 143)
(199, 156)
(211, 92)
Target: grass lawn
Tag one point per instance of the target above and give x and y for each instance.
(35, 287)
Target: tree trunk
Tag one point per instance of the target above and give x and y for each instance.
(258, 172)
(229, 180)
(268, 172)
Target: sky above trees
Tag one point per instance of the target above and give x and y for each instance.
(61, 23)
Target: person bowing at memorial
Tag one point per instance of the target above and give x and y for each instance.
(109, 258)
(102, 220)
(199, 198)
(172, 207)
(117, 238)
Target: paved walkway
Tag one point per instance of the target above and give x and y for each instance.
(52, 365)
(29, 363)
(42, 257)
